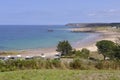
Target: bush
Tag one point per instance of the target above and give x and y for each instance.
(75, 64)
(84, 53)
(108, 64)
(83, 64)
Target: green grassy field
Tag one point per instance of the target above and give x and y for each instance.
(54, 74)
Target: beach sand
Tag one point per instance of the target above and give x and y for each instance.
(102, 36)
(88, 43)
(48, 52)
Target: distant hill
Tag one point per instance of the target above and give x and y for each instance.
(93, 24)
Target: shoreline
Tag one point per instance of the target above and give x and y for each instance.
(88, 43)
(102, 36)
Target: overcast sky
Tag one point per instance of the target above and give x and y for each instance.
(52, 12)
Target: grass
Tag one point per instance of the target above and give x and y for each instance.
(96, 55)
(4, 53)
(55, 74)
(106, 28)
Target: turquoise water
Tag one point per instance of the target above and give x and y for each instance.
(16, 37)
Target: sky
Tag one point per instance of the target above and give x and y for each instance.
(56, 12)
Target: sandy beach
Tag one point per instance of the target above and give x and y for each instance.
(88, 43)
(101, 36)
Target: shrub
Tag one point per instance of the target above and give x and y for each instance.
(108, 64)
(85, 52)
(11, 65)
(76, 64)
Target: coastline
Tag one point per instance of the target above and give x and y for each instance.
(88, 43)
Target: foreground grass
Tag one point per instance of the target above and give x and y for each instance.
(54, 74)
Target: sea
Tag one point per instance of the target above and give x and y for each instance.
(20, 37)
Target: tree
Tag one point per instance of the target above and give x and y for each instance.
(117, 52)
(64, 47)
(117, 48)
(106, 48)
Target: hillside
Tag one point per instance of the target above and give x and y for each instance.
(93, 24)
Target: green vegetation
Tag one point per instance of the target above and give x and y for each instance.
(9, 53)
(64, 47)
(117, 49)
(106, 28)
(84, 53)
(69, 69)
(78, 59)
(61, 75)
(117, 52)
(77, 63)
(67, 51)
(108, 65)
(106, 48)
(12, 65)
(94, 24)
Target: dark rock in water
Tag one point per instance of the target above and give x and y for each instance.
(50, 30)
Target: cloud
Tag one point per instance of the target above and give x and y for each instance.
(112, 10)
(104, 13)
(91, 14)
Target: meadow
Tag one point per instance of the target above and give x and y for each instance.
(55, 74)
